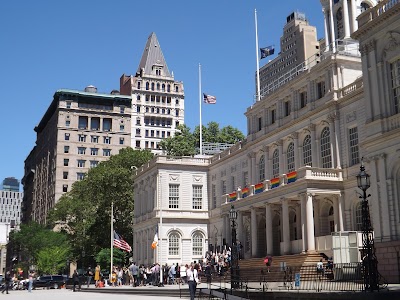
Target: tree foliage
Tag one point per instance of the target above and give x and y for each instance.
(185, 143)
(52, 260)
(85, 212)
(103, 258)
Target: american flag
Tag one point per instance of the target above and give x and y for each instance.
(209, 99)
(120, 243)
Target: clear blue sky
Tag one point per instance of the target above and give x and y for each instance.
(49, 45)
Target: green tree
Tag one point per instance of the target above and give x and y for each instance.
(103, 258)
(230, 135)
(85, 212)
(181, 144)
(52, 260)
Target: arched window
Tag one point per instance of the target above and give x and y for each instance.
(138, 97)
(326, 148)
(176, 89)
(138, 85)
(197, 244)
(152, 86)
(168, 88)
(261, 168)
(290, 157)
(147, 86)
(307, 158)
(275, 163)
(158, 86)
(163, 87)
(173, 243)
(358, 216)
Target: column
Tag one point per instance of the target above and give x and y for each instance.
(326, 26)
(353, 15)
(333, 140)
(336, 213)
(303, 222)
(295, 136)
(253, 232)
(298, 222)
(374, 83)
(340, 211)
(253, 169)
(374, 205)
(285, 227)
(367, 89)
(310, 223)
(239, 227)
(317, 230)
(226, 230)
(315, 153)
(268, 230)
(266, 161)
(346, 19)
(383, 196)
(337, 139)
(332, 23)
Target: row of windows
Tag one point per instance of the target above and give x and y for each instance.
(147, 144)
(10, 201)
(158, 99)
(93, 139)
(79, 175)
(10, 213)
(157, 110)
(6, 220)
(158, 87)
(9, 194)
(174, 199)
(81, 163)
(93, 151)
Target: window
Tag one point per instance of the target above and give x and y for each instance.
(95, 123)
(122, 128)
(107, 140)
(275, 164)
(223, 187)
(138, 85)
(353, 139)
(259, 123)
(82, 138)
(358, 216)
(177, 112)
(290, 157)
(214, 196)
(138, 121)
(83, 122)
(273, 116)
(287, 108)
(261, 168)
(176, 89)
(307, 158)
(197, 243)
(152, 86)
(138, 109)
(137, 144)
(107, 123)
(395, 73)
(67, 123)
(245, 179)
(326, 148)
(106, 152)
(147, 86)
(303, 99)
(158, 85)
(233, 181)
(122, 108)
(121, 141)
(168, 88)
(163, 87)
(320, 89)
(197, 197)
(65, 188)
(65, 175)
(66, 136)
(66, 149)
(68, 104)
(94, 139)
(173, 196)
(80, 176)
(173, 244)
(81, 150)
(93, 163)
(94, 151)
(81, 163)
(66, 162)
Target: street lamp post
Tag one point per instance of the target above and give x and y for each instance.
(369, 260)
(234, 252)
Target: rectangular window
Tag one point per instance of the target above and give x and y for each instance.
(122, 109)
(138, 121)
(66, 162)
(353, 139)
(68, 103)
(245, 179)
(223, 187)
(81, 150)
(197, 245)
(66, 136)
(138, 108)
(95, 123)
(214, 196)
(320, 89)
(107, 140)
(94, 139)
(65, 188)
(197, 197)
(67, 123)
(65, 175)
(66, 149)
(80, 176)
(82, 138)
(137, 131)
(83, 122)
(93, 163)
(395, 74)
(173, 196)
(106, 152)
(94, 151)
(121, 141)
(122, 128)
(107, 124)
(303, 99)
(287, 108)
(81, 163)
(273, 116)
(259, 123)
(137, 144)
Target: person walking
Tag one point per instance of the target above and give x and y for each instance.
(89, 275)
(7, 283)
(97, 276)
(193, 279)
(134, 271)
(30, 282)
(75, 278)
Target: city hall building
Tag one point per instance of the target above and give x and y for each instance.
(293, 179)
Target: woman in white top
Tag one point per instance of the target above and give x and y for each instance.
(193, 279)
(183, 273)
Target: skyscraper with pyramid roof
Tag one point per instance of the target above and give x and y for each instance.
(157, 98)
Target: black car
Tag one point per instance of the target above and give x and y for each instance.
(49, 281)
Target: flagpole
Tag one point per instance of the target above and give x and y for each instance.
(112, 237)
(201, 127)
(258, 62)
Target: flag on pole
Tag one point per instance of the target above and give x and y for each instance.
(267, 51)
(209, 99)
(155, 240)
(120, 243)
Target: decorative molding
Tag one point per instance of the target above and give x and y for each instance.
(197, 178)
(173, 177)
(392, 43)
(351, 117)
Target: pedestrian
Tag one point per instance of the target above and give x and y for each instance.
(7, 283)
(193, 279)
(97, 276)
(30, 282)
(75, 278)
(89, 274)
(135, 272)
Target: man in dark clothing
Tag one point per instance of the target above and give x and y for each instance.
(89, 275)
(76, 280)
(7, 282)
(134, 271)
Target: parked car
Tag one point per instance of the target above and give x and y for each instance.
(48, 281)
